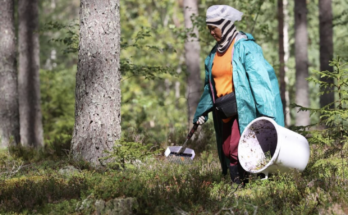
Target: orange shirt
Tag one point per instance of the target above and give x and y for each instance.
(222, 74)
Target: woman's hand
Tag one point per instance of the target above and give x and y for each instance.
(201, 120)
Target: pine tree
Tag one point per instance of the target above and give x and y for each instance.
(98, 94)
(326, 47)
(192, 51)
(9, 113)
(30, 115)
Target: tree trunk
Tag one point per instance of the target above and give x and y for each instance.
(192, 50)
(326, 48)
(286, 59)
(98, 93)
(30, 115)
(281, 53)
(9, 113)
(301, 58)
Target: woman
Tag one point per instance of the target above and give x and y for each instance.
(235, 69)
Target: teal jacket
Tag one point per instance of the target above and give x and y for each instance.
(256, 89)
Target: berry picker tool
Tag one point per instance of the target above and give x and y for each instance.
(181, 153)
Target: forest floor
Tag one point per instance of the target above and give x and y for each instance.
(41, 182)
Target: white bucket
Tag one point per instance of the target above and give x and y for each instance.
(266, 147)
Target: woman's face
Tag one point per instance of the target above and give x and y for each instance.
(215, 32)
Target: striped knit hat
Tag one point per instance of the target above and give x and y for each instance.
(223, 17)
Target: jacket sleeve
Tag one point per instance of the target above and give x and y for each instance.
(259, 80)
(205, 104)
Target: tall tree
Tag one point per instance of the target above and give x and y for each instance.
(9, 113)
(326, 47)
(30, 115)
(286, 59)
(192, 60)
(281, 53)
(301, 59)
(98, 93)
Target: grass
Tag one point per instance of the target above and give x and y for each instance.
(33, 185)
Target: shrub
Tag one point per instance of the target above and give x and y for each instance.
(27, 193)
(330, 134)
(125, 153)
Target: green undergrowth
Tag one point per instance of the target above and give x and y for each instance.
(23, 193)
(37, 186)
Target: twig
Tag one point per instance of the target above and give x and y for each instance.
(15, 169)
(255, 207)
(257, 15)
(227, 209)
(220, 210)
(180, 211)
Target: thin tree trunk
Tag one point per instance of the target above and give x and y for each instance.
(9, 113)
(192, 50)
(326, 48)
(301, 58)
(98, 93)
(286, 59)
(30, 115)
(177, 88)
(281, 53)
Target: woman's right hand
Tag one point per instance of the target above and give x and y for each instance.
(201, 120)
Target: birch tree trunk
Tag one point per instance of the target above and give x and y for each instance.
(98, 93)
(9, 113)
(192, 50)
(301, 58)
(326, 47)
(286, 59)
(30, 115)
(281, 54)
